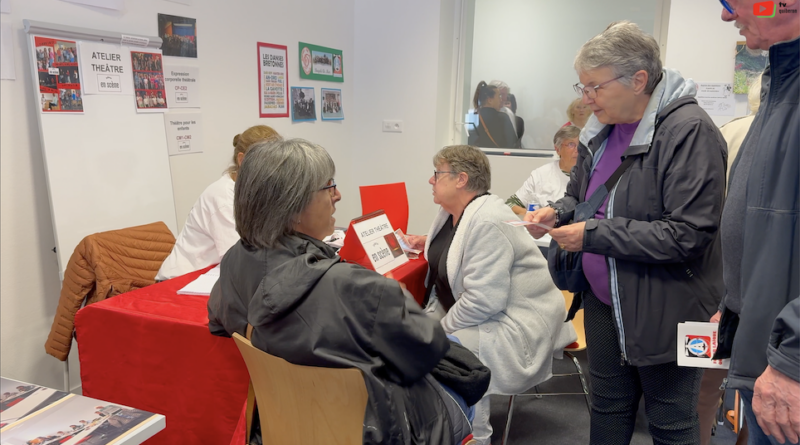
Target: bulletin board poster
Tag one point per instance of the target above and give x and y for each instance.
(148, 82)
(320, 63)
(59, 75)
(273, 86)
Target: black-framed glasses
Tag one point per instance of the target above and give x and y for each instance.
(591, 92)
(331, 188)
(437, 172)
(727, 6)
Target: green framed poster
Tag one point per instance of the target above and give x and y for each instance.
(320, 63)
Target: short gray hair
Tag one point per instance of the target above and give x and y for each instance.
(624, 48)
(470, 160)
(276, 182)
(568, 132)
(500, 85)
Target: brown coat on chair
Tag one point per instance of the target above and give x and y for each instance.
(104, 265)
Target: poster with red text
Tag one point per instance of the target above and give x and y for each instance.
(59, 76)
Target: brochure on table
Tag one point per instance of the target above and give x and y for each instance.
(36, 414)
(377, 246)
(697, 343)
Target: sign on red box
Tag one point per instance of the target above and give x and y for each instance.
(371, 242)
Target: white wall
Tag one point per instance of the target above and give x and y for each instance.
(228, 32)
(702, 47)
(397, 77)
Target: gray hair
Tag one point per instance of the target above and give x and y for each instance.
(568, 132)
(624, 48)
(500, 85)
(276, 182)
(470, 160)
(754, 95)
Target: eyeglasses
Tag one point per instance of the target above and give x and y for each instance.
(727, 6)
(331, 188)
(437, 172)
(591, 92)
(569, 145)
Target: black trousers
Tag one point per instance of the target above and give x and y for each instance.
(670, 392)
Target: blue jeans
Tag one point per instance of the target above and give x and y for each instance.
(757, 435)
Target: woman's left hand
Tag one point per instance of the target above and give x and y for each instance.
(569, 238)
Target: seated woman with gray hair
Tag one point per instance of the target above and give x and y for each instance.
(309, 307)
(488, 281)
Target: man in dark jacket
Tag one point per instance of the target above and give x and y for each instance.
(761, 235)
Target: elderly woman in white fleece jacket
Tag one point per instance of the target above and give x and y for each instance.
(489, 281)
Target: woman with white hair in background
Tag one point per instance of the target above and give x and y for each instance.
(549, 182)
(650, 244)
(578, 113)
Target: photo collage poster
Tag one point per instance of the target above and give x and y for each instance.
(148, 81)
(59, 78)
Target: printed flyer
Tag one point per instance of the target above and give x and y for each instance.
(59, 75)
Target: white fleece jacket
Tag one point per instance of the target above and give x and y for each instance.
(502, 286)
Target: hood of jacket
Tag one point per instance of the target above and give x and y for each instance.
(665, 96)
(297, 265)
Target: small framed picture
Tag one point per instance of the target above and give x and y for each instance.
(331, 104)
(303, 104)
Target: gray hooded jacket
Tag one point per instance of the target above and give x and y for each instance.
(660, 235)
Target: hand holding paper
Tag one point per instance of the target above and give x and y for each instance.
(545, 216)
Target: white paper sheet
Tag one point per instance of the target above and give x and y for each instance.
(105, 69)
(183, 86)
(184, 133)
(716, 98)
(203, 284)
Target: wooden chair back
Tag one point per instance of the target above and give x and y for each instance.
(303, 404)
(577, 323)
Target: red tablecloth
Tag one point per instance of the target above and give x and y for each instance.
(151, 348)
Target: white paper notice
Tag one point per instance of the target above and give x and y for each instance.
(183, 86)
(8, 69)
(105, 69)
(716, 98)
(5, 6)
(184, 133)
(381, 244)
(108, 4)
(697, 343)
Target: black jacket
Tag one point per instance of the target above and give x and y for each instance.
(769, 322)
(309, 308)
(498, 125)
(661, 232)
